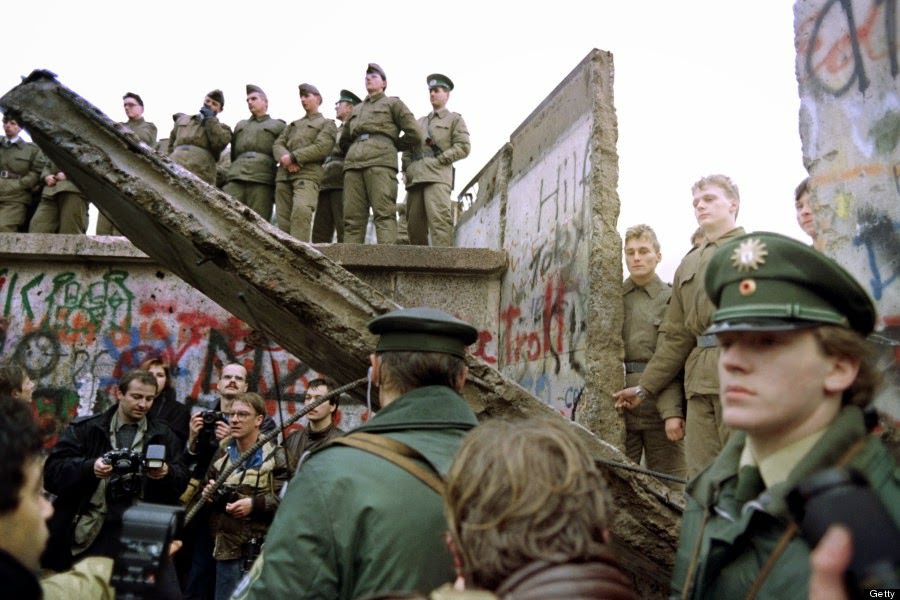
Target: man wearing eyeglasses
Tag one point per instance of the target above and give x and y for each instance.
(321, 426)
(243, 507)
(144, 130)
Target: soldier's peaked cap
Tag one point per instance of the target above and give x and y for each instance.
(769, 282)
(437, 80)
(422, 329)
(348, 96)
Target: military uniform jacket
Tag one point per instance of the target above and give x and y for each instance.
(144, 130)
(333, 169)
(69, 473)
(262, 484)
(196, 144)
(448, 131)
(65, 185)
(644, 310)
(352, 523)
(734, 543)
(688, 316)
(308, 141)
(251, 150)
(20, 167)
(373, 132)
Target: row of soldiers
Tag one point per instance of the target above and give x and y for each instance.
(321, 180)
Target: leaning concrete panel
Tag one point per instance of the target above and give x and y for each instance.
(848, 68)
(300, 298)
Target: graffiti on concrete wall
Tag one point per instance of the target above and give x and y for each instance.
(76, 331)
(544, 298)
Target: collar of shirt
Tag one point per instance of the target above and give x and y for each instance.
(777, 467)
(443, 112)
(374, 97)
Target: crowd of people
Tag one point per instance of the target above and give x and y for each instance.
(323, 181)
(750, 376)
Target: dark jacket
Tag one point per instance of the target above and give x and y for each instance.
(166, 409)
(299, 442)
(18, 582)
(69, 473)
(353, 523)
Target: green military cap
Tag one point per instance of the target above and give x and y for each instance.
(348, 96)
(255, 89)
(437, 80)
(308, 88)
(422, 329)
(218, 96)
(374, 68)
(769, 282)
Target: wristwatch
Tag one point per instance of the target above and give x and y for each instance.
(641, 393)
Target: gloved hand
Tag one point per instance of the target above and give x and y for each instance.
(206, 112)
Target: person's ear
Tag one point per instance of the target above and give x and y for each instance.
(841, 375)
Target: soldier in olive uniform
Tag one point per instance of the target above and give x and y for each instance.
(251, 176)
(20, 171)
(300, 151)
(683, 343)
(429, 168)
(656, 427)
(63, 208)
(144, 130)
(370, 168)
(197, 140)
(329, 218)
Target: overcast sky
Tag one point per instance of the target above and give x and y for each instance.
(701, 86)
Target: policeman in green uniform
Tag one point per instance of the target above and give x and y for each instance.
(354, 522)
(300, 151)
(251, 176)
(144, 130)
(63, 208)
(429, 168)
(795, 374)
(197, 140)
(370, 168)
(329, 218)
(20, 171)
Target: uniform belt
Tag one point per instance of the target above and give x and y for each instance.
(254, 155)
(365, 136)
(8, 175)
(706, 341)
(329, 159)
(635, 367)
(180, 146)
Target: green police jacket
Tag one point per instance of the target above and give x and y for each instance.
(352, 524)
(733, 543)
(20, 170)
(251, 150)
(687, 317)
(196, 144)
(308, 141)
(372, 136)
(144, 130)
(447, 131)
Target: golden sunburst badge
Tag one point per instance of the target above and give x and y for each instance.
(750, 255)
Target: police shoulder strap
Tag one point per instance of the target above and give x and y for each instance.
(395, 452)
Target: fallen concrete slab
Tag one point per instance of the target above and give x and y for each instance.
(287, 289)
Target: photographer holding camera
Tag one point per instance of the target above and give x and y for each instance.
(100, 467)
(795, 375)
(244, 506)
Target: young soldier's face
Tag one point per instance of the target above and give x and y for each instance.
(257, 104)
(133, 110)
(778, 385)
(641, 258)
(215, 105)
(713, 208)
(438, 96)
(310, 102)
(805, 215)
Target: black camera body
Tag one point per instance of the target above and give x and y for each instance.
(224, 495)
(128, 469)
(842, 496)
(210, 418)
(124, 461)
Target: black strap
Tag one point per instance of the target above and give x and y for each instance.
(397, 453)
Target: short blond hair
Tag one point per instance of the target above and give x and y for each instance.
(636, 232)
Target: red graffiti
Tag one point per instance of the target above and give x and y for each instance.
(548, 337)
(484, 338)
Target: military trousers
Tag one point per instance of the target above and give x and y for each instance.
(63, 212)
(704, 433)
(329, 217)
(12, 215)
(374, 187)
(105, 226)
(661, 454)
(295, 202)
(429, 209)
(260, 197)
